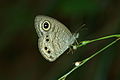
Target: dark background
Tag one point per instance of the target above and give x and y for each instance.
(19, 55)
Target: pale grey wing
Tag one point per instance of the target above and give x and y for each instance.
(37, 27)
(42, 45)
(62, 40)
(59, 41)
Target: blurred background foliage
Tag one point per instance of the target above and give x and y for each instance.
(19, 55)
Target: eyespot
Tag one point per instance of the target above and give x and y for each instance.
(47, 40)
(46, 48)
(49, 52)
(51, 57)
(46, 25)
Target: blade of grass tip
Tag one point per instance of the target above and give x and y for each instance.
(82, 43)
(87, 59)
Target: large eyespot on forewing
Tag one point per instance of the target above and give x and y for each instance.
(46, 25)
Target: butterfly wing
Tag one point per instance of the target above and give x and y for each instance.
(56, 41)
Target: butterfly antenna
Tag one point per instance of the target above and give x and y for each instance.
(82, 26)
(76, 34)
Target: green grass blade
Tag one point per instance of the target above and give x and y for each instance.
(87, 59)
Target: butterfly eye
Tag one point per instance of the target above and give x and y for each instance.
(46, 25)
